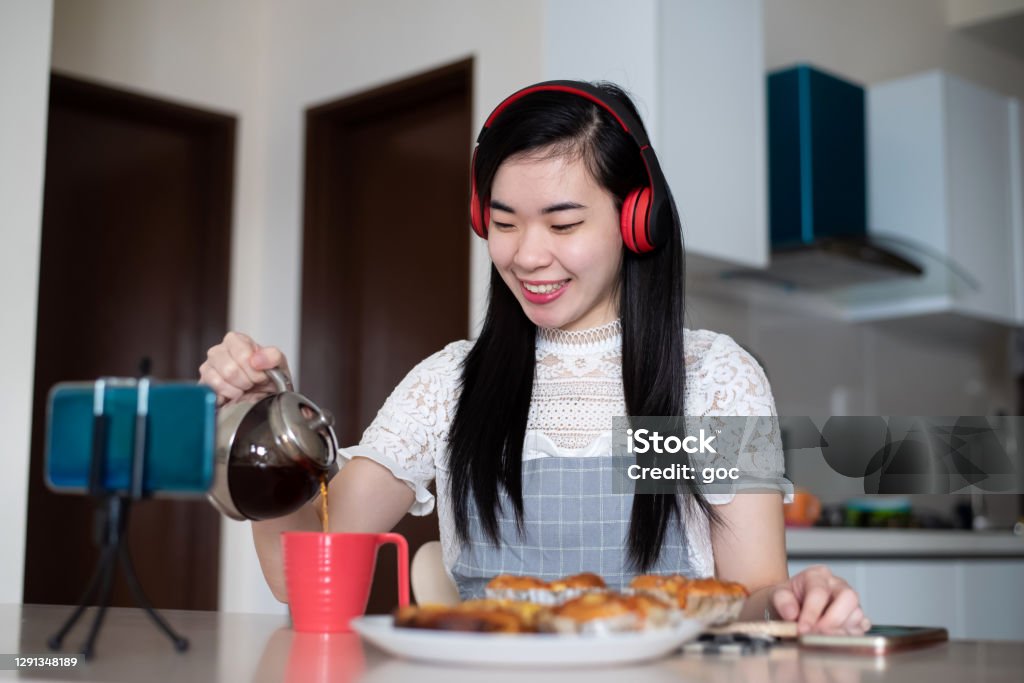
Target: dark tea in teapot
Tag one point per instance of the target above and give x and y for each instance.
(265, 482)
(268, 491)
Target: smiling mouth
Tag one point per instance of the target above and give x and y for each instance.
(547, 288)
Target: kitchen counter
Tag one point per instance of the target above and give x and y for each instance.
(841, 542)
(252, 647)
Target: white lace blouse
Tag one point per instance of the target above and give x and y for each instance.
(577, 390)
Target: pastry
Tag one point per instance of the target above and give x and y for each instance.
(713, 601)
(582, 604)
(606, 612)
(584, 581)
(519, 589)
(530, 589)
(481, 616)
(574, 586)
(708, 599)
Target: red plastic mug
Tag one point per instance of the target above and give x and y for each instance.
(329, 576)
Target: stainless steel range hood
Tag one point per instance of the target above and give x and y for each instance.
(838, 262)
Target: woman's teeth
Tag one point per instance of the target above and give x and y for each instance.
(544, 289)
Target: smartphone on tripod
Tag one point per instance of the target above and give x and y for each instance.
(180, 436)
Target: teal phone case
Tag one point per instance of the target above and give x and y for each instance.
(180, 437)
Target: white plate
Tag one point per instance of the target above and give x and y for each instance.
(523, 649)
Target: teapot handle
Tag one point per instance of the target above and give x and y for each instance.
(282, 381)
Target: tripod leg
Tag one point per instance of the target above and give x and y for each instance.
(108, 584)
(104, 566)
(180, 643)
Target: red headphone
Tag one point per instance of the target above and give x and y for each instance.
(647, 215)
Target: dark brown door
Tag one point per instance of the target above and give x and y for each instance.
(134, 263)
(386, 252)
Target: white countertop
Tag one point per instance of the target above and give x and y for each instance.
(883, 543)
(253, 647)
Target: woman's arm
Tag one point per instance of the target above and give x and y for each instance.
(363, 497)
(750, 544)
(750, 548)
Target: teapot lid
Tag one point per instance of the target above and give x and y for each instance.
(302, 430)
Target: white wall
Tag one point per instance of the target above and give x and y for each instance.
(877, 40)
(267, 62)
(24, 86)
(966, 12)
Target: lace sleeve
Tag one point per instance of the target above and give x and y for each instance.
(411, 429)
(739, 398)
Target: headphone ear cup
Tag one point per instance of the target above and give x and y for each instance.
(634, 218)
(626, 219)
(478, 222)
(479, 216)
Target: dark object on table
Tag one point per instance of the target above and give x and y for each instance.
(728, 644)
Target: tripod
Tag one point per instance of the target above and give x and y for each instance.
(111, 530)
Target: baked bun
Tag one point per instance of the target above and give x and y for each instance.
(607, 613)
(584, 581)
(516, 583)
(531, 589)
(658, 583)
(708, 599)
(479, 616)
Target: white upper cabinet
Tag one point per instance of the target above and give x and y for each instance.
(696, 69)
(712, 125)
(944, 176)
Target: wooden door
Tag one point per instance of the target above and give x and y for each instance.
(386, 252)
(134, 263)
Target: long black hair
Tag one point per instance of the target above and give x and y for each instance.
(489, 426)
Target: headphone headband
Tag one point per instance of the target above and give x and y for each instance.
(621, 115)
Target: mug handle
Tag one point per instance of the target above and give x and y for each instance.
(403, 564)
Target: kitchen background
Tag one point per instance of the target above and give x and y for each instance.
(697, 70)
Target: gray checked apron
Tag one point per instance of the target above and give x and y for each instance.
(573, 522)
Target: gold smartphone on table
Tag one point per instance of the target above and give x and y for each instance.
(878, 640)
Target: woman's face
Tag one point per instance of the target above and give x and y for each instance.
(554, 237)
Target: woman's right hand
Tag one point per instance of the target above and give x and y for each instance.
(235, 368)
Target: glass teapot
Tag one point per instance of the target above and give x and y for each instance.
(272, 453)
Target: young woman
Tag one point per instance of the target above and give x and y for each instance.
(584, 323)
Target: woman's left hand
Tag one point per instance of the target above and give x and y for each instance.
(819, 602)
